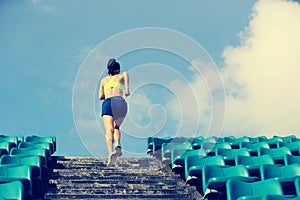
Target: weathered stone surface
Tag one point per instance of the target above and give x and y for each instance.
(132, 178)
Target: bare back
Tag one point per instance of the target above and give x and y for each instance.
(119, 79)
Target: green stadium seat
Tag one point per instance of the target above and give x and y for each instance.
(49, 139)
(149, 145)
(178, 156)
(277, 154)
(215, 177)
(211, 149)
(293, 146)
(230, 154)
(237, 189)
(287, 139)
(193, 169)
(254, 163)
(13, 139)
(291, 159)
(257, 139)
(12, 190)
(297, 186)
(33, 152)
(197, 142)
(7, 145)
(156, 145)
(253, 147)
(279, 197)
(285, 174)
(39, 172)
(274, 142)
(193, 165)
(226, 139)
(18, 173)
(211, 139)
(272, 171)
(236, 144)
(168, 148)
(3, 152)
(44, 145)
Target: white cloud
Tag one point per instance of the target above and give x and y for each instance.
(262, 73)
(192, 105)
(144, 118)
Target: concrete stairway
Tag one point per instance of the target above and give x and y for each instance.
(132, 178)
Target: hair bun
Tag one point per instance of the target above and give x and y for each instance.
(111, 62)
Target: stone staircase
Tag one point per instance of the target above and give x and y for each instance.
(132, 178)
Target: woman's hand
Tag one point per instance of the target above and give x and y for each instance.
(127, 93)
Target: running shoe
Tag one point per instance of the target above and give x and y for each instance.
(112, 158)
(118, 151)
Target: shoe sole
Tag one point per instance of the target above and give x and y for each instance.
(112, 160)
(118, 152)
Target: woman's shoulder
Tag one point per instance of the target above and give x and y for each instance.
(105, 79)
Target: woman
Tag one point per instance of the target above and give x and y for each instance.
(114, 107)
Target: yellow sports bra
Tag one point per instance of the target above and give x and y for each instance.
(113, 84)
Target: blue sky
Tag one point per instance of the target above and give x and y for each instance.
(44, 44)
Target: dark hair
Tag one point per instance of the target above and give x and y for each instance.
(113, 67)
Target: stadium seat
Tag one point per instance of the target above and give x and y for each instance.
(297, 186)
(230, 154)
(291, 159)
(215, 177)
(7, 145)
(168, 148)
(254, 163)
(33, 152)
(211, 148)
(274, 142)
(287, 139)
(280, 197)
(156, 145)
(49, 139)
(197, 142)
(236, 144)
(44, 145)
(237, 189)
(12, 190)
(225, 139)
(178, 156)
(13, 139)
(272, 171)
(277, 154)
(257, 139)
(211, 139)
(193, 165)
(18, 173)
(293, 146)
(285, 174)
(253, 147)
(39, 173)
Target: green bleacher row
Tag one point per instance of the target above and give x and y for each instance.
(25, 165)
(234, 168)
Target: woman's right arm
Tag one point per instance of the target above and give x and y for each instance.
(101, 95)
(126, 80)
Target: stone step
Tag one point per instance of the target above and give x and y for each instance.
(71, 172)
(116, 181)
(132, 178)
(117, 196)
(120, 191)
(114, 176)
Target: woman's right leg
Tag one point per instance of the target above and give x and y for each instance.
(108, 122)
